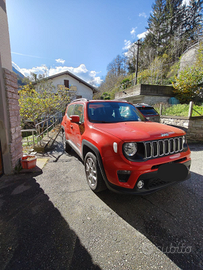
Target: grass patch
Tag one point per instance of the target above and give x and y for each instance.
(179, 110)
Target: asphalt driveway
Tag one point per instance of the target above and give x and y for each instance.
(54, 221)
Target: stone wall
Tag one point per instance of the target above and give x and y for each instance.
(193, 126)
(195, 129)
(151, 100)
(11, 89)
(189, 57)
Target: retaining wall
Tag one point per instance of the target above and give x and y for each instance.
(192, 125)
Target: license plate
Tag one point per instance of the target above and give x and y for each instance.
(171, 172)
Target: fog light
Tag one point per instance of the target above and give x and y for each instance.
(123, 176)
(140, 184)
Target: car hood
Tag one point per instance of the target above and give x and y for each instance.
(139, 131)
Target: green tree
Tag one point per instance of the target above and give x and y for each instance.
(106, 96)
(157, 26)
(172, 28)
(118, 66)
(188, 85)
(155, 73)
(193, 21)
(37, 104)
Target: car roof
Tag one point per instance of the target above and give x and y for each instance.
(101, 100)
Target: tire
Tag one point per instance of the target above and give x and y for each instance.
(93, 173)
(66, 146)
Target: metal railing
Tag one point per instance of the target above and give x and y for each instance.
(26, 139)
(42, 128)
(45, 126)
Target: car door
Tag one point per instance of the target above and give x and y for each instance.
(78, 128)
(68, 129)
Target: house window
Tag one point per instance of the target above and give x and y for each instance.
(66, 83)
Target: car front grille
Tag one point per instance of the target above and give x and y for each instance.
(164, 147)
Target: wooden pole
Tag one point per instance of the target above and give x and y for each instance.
(160, 109)
(190, 109)
(136, 71)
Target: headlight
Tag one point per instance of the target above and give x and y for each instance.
(130, 149)
(184, 142)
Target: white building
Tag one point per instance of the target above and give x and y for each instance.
(78, 87)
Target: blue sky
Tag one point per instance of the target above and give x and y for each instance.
(81, 36)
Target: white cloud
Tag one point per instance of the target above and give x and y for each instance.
(61, 61)
(81, 71)
(186, 2)
(37, 70)
(142, 35)
(132, 32)
(132, 50)
(127, 44)
(143, 14)
(27, 55)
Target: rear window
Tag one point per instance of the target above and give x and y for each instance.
(147, 110)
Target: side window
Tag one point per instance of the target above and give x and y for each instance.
(79, 111)
(70, 110)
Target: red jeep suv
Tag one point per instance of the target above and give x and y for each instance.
(123, 151)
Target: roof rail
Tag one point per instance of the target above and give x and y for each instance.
(79, 99)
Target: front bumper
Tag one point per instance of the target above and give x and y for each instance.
(152, 183)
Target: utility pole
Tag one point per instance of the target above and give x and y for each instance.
(136, 68)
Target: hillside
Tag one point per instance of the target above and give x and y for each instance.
(20, 77)
(173, 28)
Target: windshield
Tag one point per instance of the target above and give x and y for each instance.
(112, 112)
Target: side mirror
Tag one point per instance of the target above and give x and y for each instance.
(75, 118)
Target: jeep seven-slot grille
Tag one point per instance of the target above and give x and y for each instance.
(163, 147)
